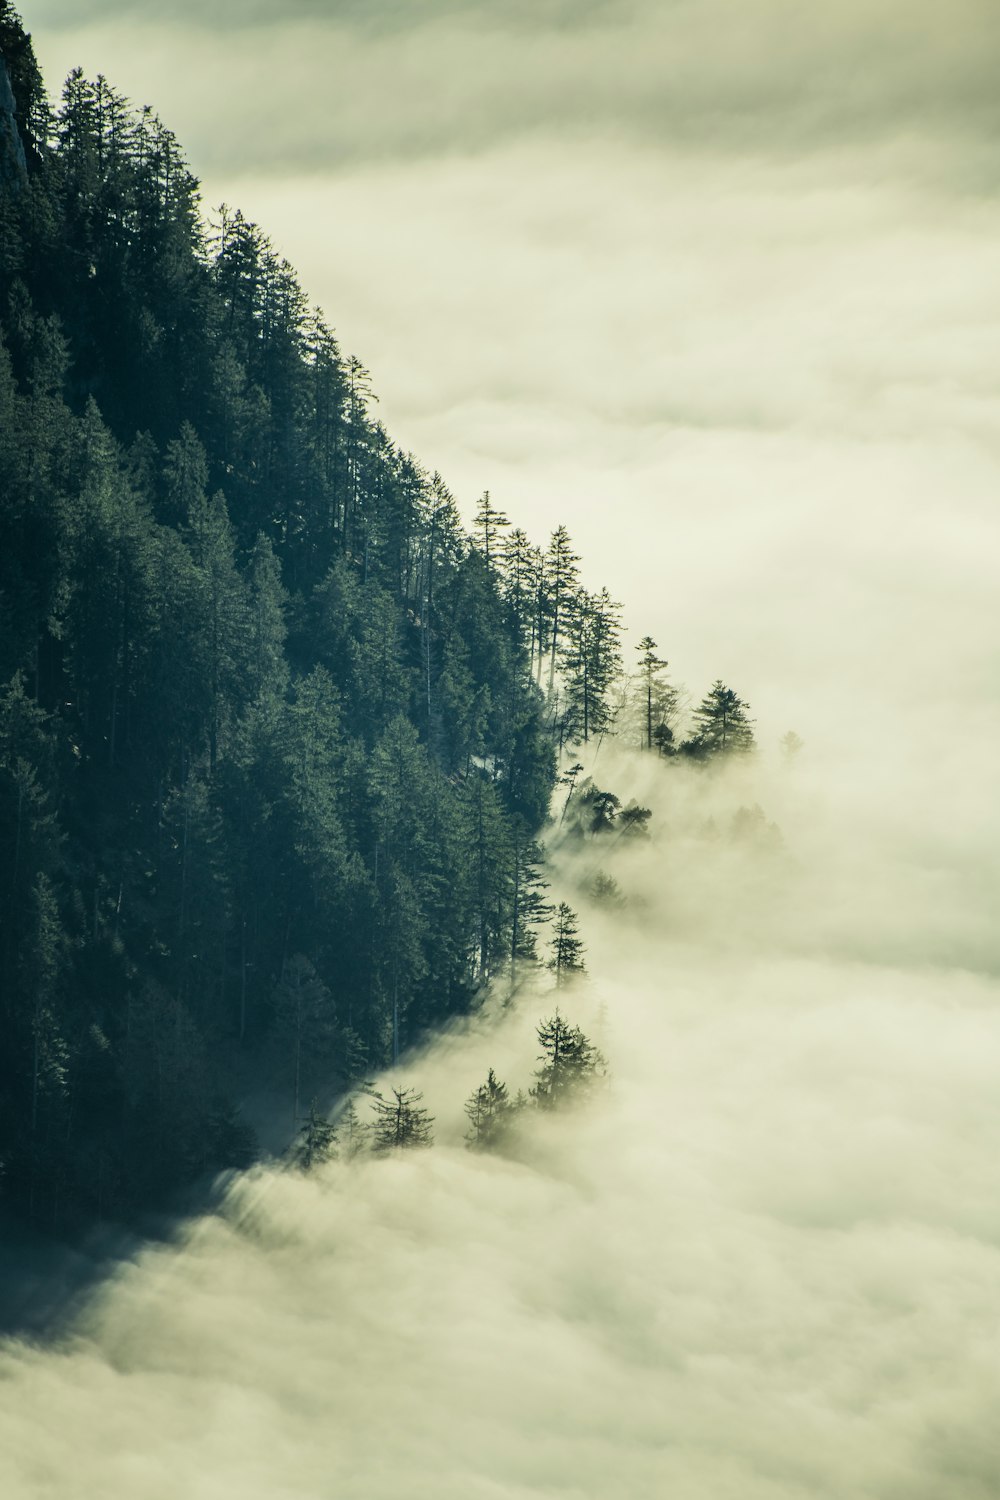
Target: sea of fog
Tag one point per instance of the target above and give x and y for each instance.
(764, 1264)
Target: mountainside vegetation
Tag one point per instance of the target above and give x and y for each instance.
(277, 737)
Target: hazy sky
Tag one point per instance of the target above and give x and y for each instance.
(712, 281)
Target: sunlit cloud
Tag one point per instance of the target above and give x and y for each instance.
(763, 1263)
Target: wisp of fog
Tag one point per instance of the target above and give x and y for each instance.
(764, 1263)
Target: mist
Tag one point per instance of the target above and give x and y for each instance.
(762, 1263)
(715, 286)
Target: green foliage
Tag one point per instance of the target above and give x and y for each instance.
(605, 891)
(490, 1112)
(271, 731)
(656, 702)
(566, 946)
(352, 1135)
(317, 1140)
(722, 725)
(400, 1123)
(571, 1066)
(592, 662)
(633, 821)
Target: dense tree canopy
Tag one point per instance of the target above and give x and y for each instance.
(273, 757)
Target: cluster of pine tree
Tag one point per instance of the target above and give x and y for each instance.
(570, 1068)
(274, 742)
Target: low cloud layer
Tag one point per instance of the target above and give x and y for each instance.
(405, 80)
(764, 1265)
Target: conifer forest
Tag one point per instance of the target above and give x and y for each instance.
(278, 736)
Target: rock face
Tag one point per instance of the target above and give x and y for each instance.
(13, 167)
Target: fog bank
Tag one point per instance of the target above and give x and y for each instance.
(763, 1264)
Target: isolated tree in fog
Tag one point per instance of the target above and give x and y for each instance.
(723, 724)
(567, 946)
(605, 890)
(663, 738)
(569, 779)
(352, 1135)
(791, 744)
(400, 1123)
(651, 668)
(633, 819)
(603, 809)
(488, 1110)
(570, 1063)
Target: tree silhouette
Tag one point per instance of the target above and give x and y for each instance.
(570, 1063)
(723, 724)
(400, 1123)
(567, 946)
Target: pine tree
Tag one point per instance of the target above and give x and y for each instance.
(489, 1111)
(723, 725)
(650, 668)
(351, 1133)
(570, 1064)
(593, 662)
(632, 821)
(605, 890)
(317, 1140)
(528, 905)
(567, 946)
(400, 1123)
(487, 525)
(791, 745)
(560, 584)
(602, 807)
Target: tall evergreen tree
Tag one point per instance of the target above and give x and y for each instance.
(489, 1111)
(651, 669)
(567, 946)
(559, 589)
(722, 724)
(570, 1064)
(401, 1123)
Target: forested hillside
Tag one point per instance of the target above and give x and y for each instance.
(277, 737)
(272, 755)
